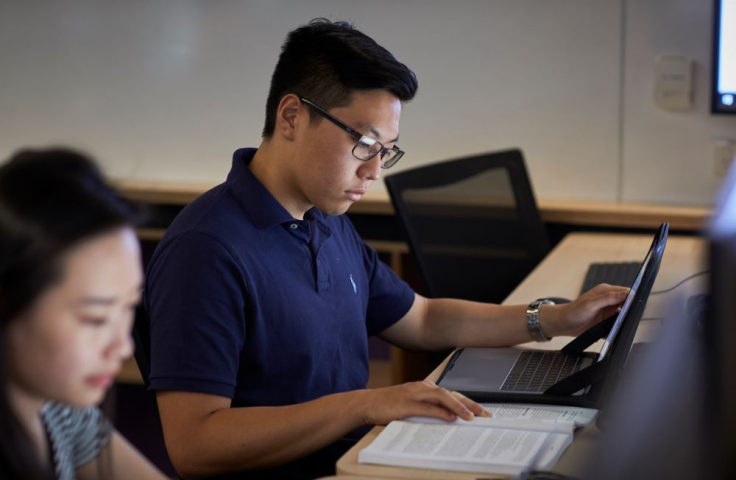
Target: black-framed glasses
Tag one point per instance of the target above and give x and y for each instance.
(365, 147)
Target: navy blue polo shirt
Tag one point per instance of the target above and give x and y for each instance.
(248, 303)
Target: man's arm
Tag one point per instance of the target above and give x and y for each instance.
(437, 324)
(205, 436)
(124, 460)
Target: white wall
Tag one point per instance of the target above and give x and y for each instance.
(167, 90)
(667, 156)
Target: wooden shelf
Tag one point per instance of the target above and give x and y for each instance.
(565, 211)
(130, 374)
(623, 214)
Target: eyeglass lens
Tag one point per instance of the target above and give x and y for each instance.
(365, 151)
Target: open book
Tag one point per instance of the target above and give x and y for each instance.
(515, 438)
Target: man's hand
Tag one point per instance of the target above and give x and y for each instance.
(592, 307)
(417, 398)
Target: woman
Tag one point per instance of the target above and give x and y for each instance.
(70, 277)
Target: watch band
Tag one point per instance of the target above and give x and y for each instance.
(532, 320)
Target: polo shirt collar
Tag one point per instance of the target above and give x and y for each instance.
(263, 209)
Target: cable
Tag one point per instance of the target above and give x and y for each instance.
(680, 282)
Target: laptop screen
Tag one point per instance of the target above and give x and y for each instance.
(648, 269)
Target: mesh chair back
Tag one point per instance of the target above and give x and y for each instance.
(472, 224)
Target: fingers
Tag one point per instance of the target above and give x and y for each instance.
(441, 397)
(477, 410)
(425, 409)
(455, 403)
(438, 411)
(605, 295)
(593, 306)
(611, 299)
(417, 398)
(461, 405)
(606, 288)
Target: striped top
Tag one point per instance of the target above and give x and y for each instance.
(76, 436)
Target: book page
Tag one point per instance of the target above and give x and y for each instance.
(485, 422)
(463, 447)
(578, 416)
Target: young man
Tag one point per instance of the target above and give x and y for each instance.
(262, 296)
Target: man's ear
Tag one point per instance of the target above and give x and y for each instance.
(287, 116)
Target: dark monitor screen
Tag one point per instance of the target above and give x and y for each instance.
(721, 329)
(635, 302)
(723, 94)
(675, 417)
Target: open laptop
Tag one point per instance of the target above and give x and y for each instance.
(569, 376)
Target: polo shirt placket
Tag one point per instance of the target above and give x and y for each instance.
(312, 234)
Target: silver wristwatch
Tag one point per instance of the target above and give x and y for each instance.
(532, 320)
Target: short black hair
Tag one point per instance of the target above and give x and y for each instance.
(50, 201)
(326, 61)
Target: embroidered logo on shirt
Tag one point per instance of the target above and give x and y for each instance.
(355, 288)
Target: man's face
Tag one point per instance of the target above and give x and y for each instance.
(327, 174)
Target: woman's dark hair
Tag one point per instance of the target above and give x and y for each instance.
(50, 201)
(326, 61)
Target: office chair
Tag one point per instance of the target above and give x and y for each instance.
(472, 224)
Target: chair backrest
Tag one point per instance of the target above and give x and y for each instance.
(142, 339)
(472, 224)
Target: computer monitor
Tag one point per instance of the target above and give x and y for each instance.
(721, 331)
(723, 92)
(655, 424)
(675, 415)
(636, 301)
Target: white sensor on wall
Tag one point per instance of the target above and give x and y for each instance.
(673, 82)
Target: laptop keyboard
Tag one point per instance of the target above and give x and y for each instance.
(536, 371)
(618, 273)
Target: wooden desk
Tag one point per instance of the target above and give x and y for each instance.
(560, 274)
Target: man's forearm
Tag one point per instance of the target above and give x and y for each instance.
(452, 323)
(237, 439)
(435, 324)
(444, 323)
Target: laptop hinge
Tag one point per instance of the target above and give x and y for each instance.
(600, 330)
(584, 378)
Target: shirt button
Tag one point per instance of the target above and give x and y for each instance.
(293, 226)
